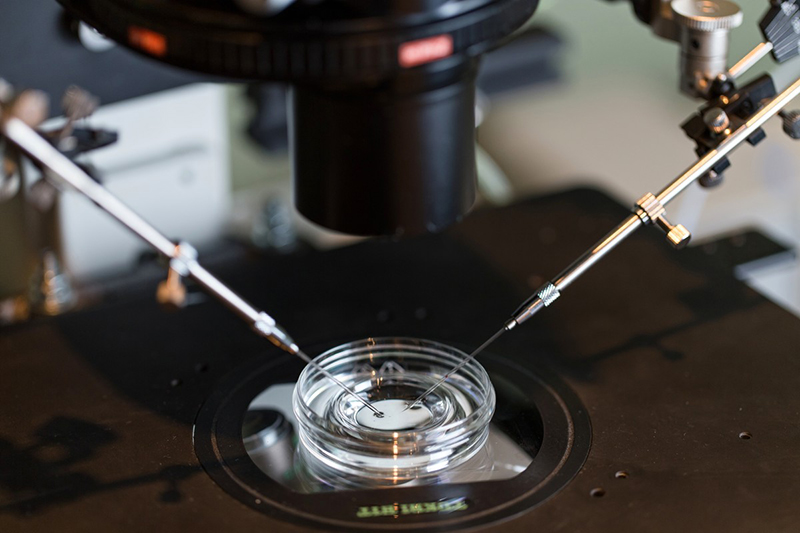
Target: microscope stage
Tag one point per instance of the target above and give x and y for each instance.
(677, 387)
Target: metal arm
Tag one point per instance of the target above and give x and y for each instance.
(650, 210)
(183, 258)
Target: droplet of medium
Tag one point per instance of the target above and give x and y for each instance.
(396, 416)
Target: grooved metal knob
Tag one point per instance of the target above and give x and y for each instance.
(707, 15)
(679, 236)
(717, 120)
(791, 123)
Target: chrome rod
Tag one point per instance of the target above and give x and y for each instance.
(669, 193)
(599, 251)
(459, 366)
(730, 143)
(63, 171)
(754, 56)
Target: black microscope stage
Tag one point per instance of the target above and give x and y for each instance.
(677, 386)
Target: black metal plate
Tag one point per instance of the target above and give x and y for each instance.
(560, 451)
(673, 360)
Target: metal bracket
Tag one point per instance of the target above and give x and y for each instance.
(171, 292)
(728, 112)
(544, 297)
(651, 211)
(549, 293)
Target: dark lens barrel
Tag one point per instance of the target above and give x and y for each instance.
(397, 159)
(383, 126)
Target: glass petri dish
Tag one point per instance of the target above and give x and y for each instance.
(343, 444)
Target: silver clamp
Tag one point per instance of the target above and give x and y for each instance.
(266, 326)
(544, 297)
(171, 292)
(548, 294)
(651, 211)
(703, 31)
(29, 106)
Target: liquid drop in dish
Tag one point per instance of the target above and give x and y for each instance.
(396, 416)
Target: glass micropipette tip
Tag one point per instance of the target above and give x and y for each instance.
(456, 368)
(299, 353)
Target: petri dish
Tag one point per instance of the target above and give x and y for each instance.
(341, 442)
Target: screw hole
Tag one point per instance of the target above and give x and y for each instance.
(621, 475)
(745, 435)
(695, 44)
(597, 492)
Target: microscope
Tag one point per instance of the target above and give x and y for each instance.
(624, 425)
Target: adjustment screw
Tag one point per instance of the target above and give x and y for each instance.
(717, 120)
(711, 179)
(707, 15)
(171, 293)
(679, 236)
(791, 123)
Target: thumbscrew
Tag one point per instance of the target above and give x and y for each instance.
(791, 123)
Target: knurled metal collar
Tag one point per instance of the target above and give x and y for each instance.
(648, 208)
(548, 294)
(707, 15)
(185, 255)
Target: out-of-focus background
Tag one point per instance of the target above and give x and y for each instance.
(606, 113)
(613, 119)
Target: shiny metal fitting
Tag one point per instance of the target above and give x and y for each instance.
(717, 120)
(544, 297)
(649, 208)
(651, 211)
(171, 292)
(677, 235)
(791, 123)
(266, 326)
(51, 292)
(704, 28)
(548, 294)
(707, 15)
(185, 256)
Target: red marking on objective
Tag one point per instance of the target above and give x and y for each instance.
(149, 41)
(421, 51)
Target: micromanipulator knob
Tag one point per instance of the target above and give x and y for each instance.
(791, 123)
(704, 29)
